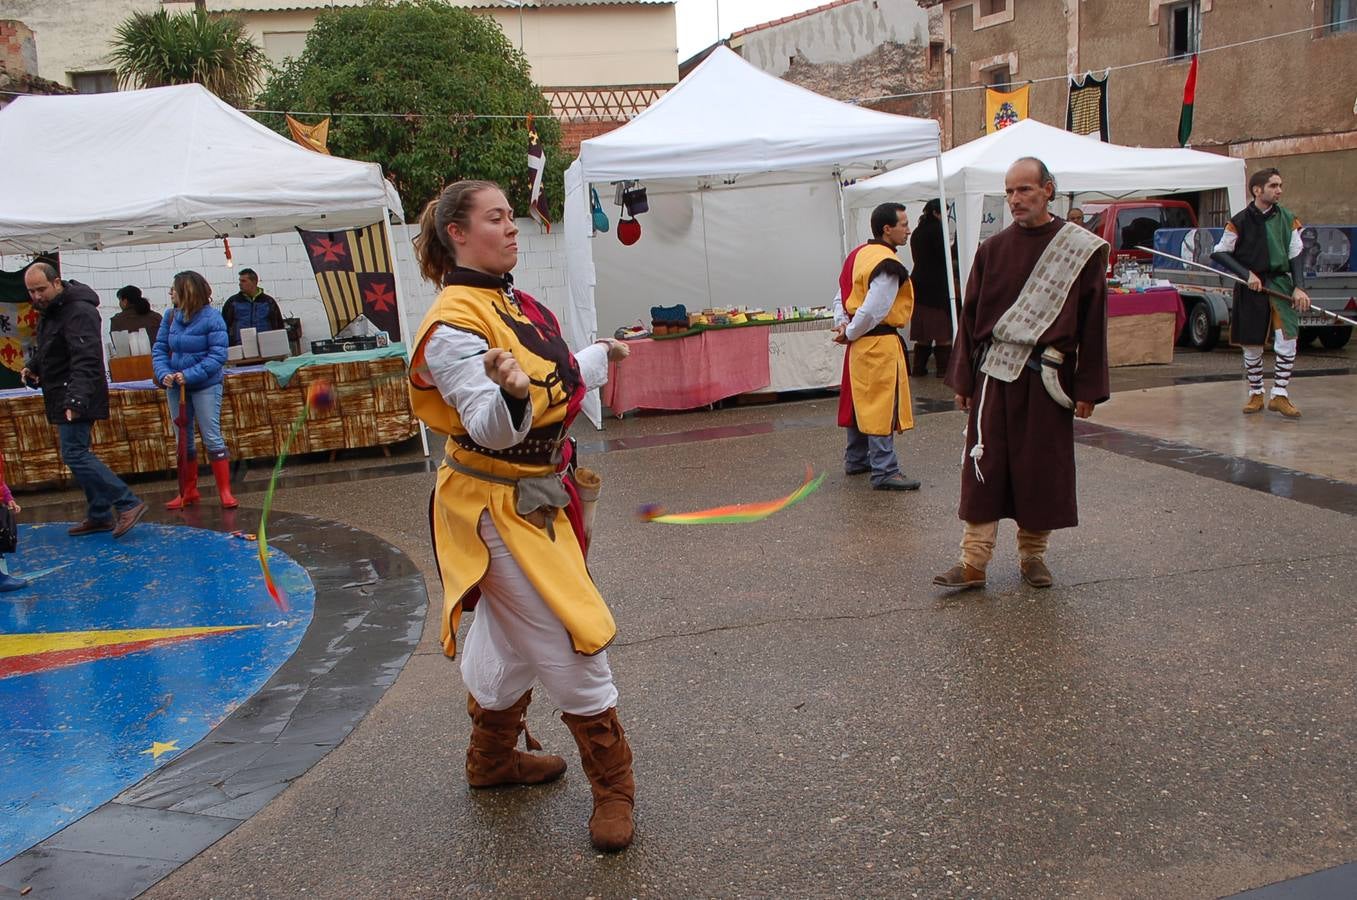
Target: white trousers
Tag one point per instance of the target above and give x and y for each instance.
(515, 639)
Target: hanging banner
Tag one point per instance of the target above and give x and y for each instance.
(1003, 108)
(1087, 110)
(354, 275)
(312, 137)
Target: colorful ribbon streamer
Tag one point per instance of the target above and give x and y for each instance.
(320, 397)
(737, 513)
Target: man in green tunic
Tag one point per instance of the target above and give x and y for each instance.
(1262, 245)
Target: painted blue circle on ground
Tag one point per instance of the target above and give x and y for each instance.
(121, 654)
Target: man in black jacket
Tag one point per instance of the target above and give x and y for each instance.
(68, 364)
(251, 308)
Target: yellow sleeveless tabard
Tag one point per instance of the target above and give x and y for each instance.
(555, 566)
(877, 366)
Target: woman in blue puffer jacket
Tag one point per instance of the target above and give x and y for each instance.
(190, 350)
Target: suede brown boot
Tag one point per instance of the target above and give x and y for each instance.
(1254, 405)
(492, 760)
(1035, 573)
(1284, 406)
(961, 576)
(607, 761)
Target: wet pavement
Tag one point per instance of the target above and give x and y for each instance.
(811, 717)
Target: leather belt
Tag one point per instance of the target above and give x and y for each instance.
(541, 447)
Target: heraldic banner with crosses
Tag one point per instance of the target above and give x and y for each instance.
(355, 276)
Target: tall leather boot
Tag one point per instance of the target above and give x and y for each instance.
(943, 354)
(920, 359)
(189, 493)
(492, 760)
(607, 761)
(221, 471)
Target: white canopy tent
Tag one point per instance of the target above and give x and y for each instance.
(92, 171)
(1083, 166)
(744, 173)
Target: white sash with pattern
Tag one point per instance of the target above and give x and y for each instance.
(1041, 299)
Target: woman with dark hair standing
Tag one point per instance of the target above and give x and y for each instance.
(136, 314)
(190, 351)
(930, 328)
(491, 370)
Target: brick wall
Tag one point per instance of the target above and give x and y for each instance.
(18, 49)
(577, 130)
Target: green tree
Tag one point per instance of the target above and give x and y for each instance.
(435, 66)
(154, 49)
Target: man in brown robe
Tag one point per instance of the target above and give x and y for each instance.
(1019, 440)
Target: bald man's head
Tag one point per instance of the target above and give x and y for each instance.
(1029, 187)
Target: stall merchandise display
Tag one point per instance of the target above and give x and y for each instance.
(372, 408)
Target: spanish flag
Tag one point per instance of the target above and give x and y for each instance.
(1003, 108)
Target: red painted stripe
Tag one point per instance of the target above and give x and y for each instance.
(57, 659)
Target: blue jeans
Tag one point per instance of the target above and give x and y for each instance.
(105, 492)
(876, 451)
(205, 407)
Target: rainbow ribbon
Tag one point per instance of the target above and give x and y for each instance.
(320, 397)
(736, 513)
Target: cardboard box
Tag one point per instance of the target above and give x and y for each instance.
(130, 368)
(273, 343)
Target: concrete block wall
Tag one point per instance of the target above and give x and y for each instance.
(285, 272)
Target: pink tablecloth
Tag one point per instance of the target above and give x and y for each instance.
(688, 372)
(1142, 303)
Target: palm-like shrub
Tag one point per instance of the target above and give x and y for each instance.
(154, 49)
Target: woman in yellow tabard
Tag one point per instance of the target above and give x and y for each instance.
(875, 299)
(491, 371)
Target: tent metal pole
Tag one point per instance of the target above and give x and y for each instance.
(407, 336)
(947, 247)
(706, 252)
(843, 215)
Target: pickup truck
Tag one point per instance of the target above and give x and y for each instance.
(1171, 227)
(1330, 280)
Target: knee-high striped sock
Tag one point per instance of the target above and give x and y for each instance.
(1285, 352)
(1253, 369)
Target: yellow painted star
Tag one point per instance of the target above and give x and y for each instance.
(158, 747)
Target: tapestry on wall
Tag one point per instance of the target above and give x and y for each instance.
(1087, 111)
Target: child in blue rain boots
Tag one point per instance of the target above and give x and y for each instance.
(7, 581)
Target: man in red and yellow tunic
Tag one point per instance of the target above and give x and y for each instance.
(875, 300)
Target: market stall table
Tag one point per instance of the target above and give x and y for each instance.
(1143, 326)
(372, 409)
(688, 372)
